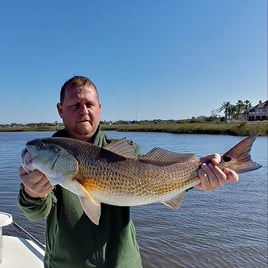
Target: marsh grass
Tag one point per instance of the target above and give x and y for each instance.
(236, 128)
(245, 128)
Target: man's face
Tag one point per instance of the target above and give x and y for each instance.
(80, 112)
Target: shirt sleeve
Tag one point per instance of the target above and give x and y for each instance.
(35, 209)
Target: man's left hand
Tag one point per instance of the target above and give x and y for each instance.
(211, 176)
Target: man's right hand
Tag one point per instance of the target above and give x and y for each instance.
(36, 184)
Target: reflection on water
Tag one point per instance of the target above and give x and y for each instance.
(226, 228)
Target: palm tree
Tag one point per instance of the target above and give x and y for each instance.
(227, 107)
(247, 107)
(234, 111)
(239, 108)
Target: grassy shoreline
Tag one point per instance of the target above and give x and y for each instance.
(245, 128)
(235, 129)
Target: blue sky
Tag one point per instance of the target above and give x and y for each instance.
(150, 59)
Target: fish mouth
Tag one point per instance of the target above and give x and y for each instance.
(26, 160)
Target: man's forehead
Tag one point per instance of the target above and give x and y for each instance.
(80, 90)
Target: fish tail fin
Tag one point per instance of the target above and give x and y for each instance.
(238, 158)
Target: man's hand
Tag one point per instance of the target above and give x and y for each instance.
(36, 184)
(212, 176)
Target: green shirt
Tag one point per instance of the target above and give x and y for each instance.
(72, 240)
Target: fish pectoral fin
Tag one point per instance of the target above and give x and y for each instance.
(175, 203)
(91, 206)
(92, 210)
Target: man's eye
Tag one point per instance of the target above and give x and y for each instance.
(88, 105)
(75, 105)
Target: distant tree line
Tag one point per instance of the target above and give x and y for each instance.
(233, 111)
(41, 124)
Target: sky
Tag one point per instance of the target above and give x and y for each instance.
(150, 59)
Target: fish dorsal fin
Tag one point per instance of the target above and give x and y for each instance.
(175, 203)
(121, 147)
(167, 157)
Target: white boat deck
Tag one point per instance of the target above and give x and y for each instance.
(21, 253)
(17, 252)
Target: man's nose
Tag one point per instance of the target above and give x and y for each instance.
(83, 109)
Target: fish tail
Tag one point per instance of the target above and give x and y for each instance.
(238, 158)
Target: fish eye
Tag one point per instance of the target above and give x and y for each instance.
(226, 158)
(38, 146)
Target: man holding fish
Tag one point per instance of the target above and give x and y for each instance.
(80, 230)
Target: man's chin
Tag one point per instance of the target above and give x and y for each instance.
(84, 128)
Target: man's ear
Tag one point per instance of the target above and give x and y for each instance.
(59, 108)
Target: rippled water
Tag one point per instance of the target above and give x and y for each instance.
(226, 228)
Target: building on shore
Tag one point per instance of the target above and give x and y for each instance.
(258, 112)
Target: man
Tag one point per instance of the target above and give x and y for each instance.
(72, 240)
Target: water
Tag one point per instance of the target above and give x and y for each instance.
(225, 228)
